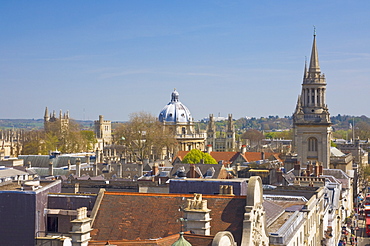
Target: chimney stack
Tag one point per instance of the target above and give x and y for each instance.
(155, 169)
(119, 170)
(316, 170)
(209, 148)
(51, 169)
(192, 171)
(244, 149)
(320, 169)
(97, 156)
(95, 169)
(78, 167)
(297, 169)
(309, 169)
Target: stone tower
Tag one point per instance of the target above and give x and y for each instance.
(311, 121)
(230, 134)
(103, 130)
(226, 140)
(62, 123)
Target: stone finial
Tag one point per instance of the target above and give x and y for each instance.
(81, 213)
(197, 203)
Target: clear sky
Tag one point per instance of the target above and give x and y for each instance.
(114, 58)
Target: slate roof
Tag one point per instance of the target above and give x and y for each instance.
(229, 157)
(219, 170)
(192, 238)
(44, 160)
(10, 172)
(257, 156)
(138, 216)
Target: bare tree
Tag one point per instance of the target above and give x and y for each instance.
(143, 136)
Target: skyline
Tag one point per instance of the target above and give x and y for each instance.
(124, 57)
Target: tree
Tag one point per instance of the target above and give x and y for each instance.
(143, 136)
(195, 156)
(67, 140)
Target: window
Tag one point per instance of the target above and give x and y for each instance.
(312, 144)
(52, 224)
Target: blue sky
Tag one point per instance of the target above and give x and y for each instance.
(114, 58)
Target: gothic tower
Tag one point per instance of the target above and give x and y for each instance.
(211, 132)
(230, 134)
(61, 123)
(311, 121)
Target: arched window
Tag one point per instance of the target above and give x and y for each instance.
(312, 144)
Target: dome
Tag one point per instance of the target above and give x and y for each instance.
(175, 111)
(181, 241)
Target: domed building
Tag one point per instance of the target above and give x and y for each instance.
(177, 118)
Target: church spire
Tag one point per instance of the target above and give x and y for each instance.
(46, 115)
(314, 63)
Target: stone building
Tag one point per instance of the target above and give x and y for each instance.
(311, 121)
(11, 141)
(103, 134)
(226, 141)
(62, 121)
(176, 117)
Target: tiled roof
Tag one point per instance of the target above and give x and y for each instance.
(227, 157)
(257, 156)
(135, 216)
(166, 241)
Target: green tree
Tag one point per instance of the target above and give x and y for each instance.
(195, 156)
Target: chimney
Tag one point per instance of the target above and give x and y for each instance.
(119, 170)
(69, 164)
(78, 167)
(29, 164)
(77, 187)
(209, 148)
(243, 149)
(226, 190)
(155, 169)
(262, 156)
(81, 228)
(297, 169)
(51, 169)
(95, 169)
(237, 169)
(308, 169)
(316, 170)
(320, 169)
(198, 216)
(97, 156)
(192, 171)
(87, 159)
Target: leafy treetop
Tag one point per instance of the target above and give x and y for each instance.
(195, 156)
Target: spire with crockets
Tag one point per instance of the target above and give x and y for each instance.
(313, 96)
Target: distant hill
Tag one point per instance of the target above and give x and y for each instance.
(35, 124)
(270, 123)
